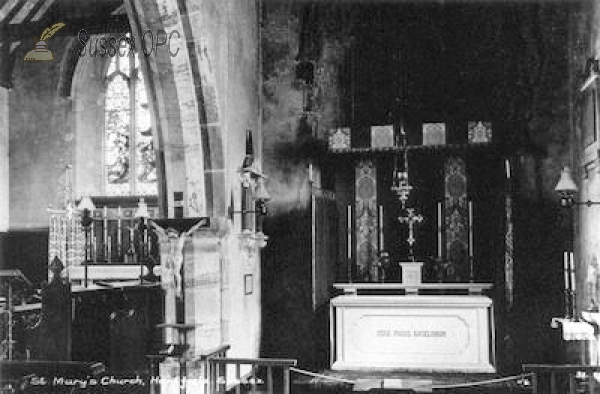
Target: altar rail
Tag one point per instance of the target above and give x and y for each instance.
(555, 379)
(114, 234)
(219, 382)
(113, 237)
(420, 288)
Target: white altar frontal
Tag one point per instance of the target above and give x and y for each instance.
(412, 331)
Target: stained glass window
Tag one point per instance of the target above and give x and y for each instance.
(129, 157)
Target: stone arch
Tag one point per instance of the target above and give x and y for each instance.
(68, 65)
(184, 90)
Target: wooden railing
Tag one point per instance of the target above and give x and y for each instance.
(206, 367)
(568, 378)
(110, 247)
(249, 382)
(115, 237)
(201, 363)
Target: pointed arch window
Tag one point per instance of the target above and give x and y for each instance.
(129, 156)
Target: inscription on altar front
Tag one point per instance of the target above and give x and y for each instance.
(397, 333)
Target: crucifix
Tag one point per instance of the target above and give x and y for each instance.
(411, 219)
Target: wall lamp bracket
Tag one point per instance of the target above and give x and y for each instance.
(567, 190)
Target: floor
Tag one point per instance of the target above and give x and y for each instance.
(405, 382)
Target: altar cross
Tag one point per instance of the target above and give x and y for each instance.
(411, 218)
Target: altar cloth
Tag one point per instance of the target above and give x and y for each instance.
(426, 333)
(574, 330)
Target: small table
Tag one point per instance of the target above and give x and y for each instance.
(174, 350)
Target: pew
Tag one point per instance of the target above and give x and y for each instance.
(112, 324)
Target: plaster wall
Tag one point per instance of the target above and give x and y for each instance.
(88, 97)
(41, 139)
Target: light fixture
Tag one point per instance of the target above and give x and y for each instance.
(593, 68)
(254, 194)
(142, 211)
(401, 186)
(567, 190)
(400, 182)
(86, 207)
(261, 197)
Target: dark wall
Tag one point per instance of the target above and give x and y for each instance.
(28, 251)
(297, 112)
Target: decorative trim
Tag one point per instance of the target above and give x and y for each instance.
(456, 212)
(366, 217)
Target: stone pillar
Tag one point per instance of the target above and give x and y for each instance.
(221, 294)
(202, 281)
(199, 254)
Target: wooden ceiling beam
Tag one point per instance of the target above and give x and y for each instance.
(96, 25)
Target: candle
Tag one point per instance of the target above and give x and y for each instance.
(470, 228)
(572, 264)
(439, 229)
(349, 242)
(119, 231)
(507, 167)
(310, 172)
(566, 269)
(109, 246)
(349, 215)
(381, 247)
(105, 223)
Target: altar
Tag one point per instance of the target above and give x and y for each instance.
(412, 331)
(416, 245)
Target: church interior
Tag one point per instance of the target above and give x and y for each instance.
(213, 191)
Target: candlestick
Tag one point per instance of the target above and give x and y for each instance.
(439, 229)
(381, 247)
(349, 215)
(471, 229)
(566, 270)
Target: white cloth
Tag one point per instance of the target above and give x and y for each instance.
(574, 330)
(592, 317)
